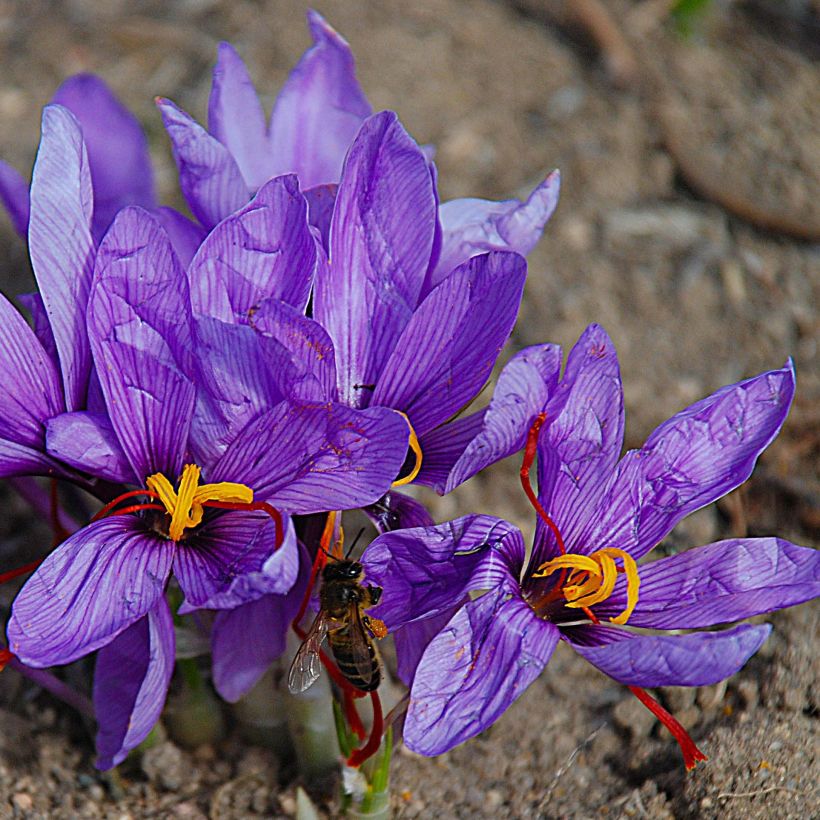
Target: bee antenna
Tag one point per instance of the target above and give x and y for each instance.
(355, 541)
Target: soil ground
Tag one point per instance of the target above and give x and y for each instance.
(688, 226)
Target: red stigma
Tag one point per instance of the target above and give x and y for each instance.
(372, 746)
(5, 658)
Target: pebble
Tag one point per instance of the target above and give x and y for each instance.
(23, 801)
(164, 766)
(632, 716)
(679, 698)
(710, 697)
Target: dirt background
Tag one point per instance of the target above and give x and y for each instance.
(688, 226)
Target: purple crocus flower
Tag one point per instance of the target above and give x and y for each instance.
(487, 619)
(103, 588)
(314, 121)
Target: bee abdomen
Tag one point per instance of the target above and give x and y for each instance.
(346, 661)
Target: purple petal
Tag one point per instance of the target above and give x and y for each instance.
(306, 458)
(307, 371)
(93, 586)
(30, 389)
(319, 109)
(236, 119)
(321, 201)
(208, 175)
(60, 243)
(697, 659)
(524, 386)
(380, 243)
(117, 148)
(396, 511)
(185, 236)
(140, 327)
(582, 437)
(448, 349)
(443, 447)
(264, 250)
(412, 640)
(18, 459)
(14, 196)
(721, 583)
(245, 641)
(696, 457)
(131, 680)
(87, 442)
(427, 570)
(228, 561)
(473, 670)
(473, 226)
(34, 304)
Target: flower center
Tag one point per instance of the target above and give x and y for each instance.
(591, 578)
(186, 505)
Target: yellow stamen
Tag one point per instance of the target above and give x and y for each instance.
(185, 505)
(414, 445)
(592, 579)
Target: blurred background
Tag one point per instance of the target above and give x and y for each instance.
(688, 138)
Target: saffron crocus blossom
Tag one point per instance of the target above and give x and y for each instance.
(314, 121)
(214, 528)
(598, 515)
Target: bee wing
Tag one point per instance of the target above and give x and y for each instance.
(360, 644)
(307, 664)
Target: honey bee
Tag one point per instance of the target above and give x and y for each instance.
(342, 601)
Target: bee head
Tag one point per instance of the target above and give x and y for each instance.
(343, 571)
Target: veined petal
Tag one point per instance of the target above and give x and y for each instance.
(94, 585)
(264, 250)
(236, 119)
(396, 511)
(321, 200)
(186, 236)
(696, 659)
(30, 389)
(582, 437)
(88, 442)
(117, 148)
(34, 304)
(245, 641)
(473, 226)
(319, 109)
(14, 196)
(412, 640)
(60, 243)
(471, 672)
(226, 563)
(381, 237)
(208, 175)
(307, 458)
(131, 681)
(427, 570)
(18, 459)
(524, 386)
(696, 457)
(443, 447)
(448, 349)
(721, 583)
(140, 328)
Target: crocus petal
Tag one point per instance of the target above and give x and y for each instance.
(264, 250)
(18, 459)
(186, 236)
(93, 586)
(87, 442)
(30, 389)
(396, 511)
(208, 175)
(448, 349)
(236, 119)
(443, 447)
(696, 659)
(696, 457)
(582, 437)
(131, 681)
(60, 243)
(245, 641)
(412, 640)
(524, 386)
(721, 583)
(427, 570)
(14, 196)
(321, 201)
(140, 327)
(380, 242)
(307, 458)
(473, 226)
(472, 671)
(309, 372)
(34, 304)
(226, 562)
(117, 148)
(319, 109)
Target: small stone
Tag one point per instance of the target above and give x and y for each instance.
(706, 803)
(679, 698)
(165, 766)
(748, 691)
(23, 801)
(494, 798)
(287, 802)
(632, 716)
(710, 697)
